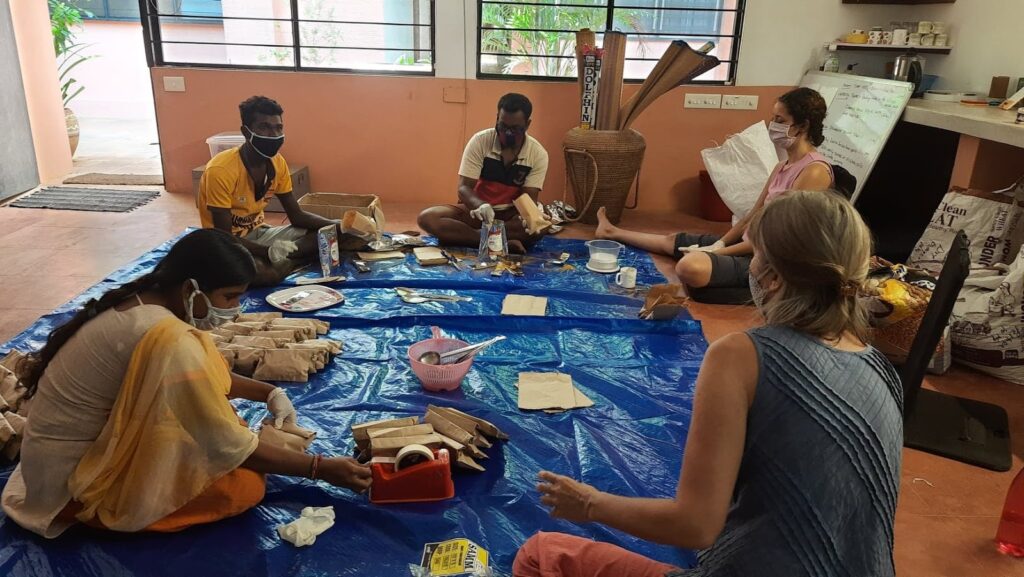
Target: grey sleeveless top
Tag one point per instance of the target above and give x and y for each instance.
(816, 493)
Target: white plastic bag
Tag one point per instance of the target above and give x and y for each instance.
(741, 166)
(987, 325)
(991, 221)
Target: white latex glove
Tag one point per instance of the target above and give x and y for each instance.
(280, 250)
(281, 408)
(304, 530)
(709, 248)
(484, 212)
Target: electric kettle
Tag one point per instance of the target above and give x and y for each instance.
(909, 67)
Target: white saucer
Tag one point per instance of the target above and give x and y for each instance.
(602, 271)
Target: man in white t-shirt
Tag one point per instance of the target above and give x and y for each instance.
(498, 165)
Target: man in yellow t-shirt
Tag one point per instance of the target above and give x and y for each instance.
(238, 184)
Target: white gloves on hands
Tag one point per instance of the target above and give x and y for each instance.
(281, 408)
(484, 212)
(303, 531)
(709, 248)
(280, 250)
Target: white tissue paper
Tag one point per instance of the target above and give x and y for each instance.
(303, 531)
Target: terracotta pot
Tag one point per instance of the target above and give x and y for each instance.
(71, 121)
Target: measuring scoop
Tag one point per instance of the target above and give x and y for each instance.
(458, 355)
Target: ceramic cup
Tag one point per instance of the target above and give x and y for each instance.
(927, 40)
(938, 27)
(941, 39)
(914, 39)
(875, 37)
(626, 277)
(899, 37)
(924, 27)
(887, 37)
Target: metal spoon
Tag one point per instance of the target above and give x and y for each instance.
(458, 355)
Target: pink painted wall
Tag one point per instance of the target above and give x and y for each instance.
(397, 138)
(42, 92)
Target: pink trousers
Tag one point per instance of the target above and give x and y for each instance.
(561, 555)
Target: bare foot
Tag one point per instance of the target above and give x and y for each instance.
(605, 229)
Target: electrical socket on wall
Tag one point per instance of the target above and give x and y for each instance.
(739, 102)
(702, 101)
(174, 84)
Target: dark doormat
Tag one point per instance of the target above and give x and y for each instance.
(118, 179)
(88, 199)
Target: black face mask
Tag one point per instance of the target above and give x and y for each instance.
(510, 137)
(265, 146)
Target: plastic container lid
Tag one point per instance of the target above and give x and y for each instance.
(231, 138)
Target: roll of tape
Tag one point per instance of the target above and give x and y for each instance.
(410, 455)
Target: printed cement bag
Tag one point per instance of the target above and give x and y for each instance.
(740, 167)
(987, 324)
(991, 221)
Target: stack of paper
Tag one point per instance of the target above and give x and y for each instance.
(524, 306)
(550, 392)
(429, 256)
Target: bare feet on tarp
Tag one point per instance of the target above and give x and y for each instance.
(605, 229)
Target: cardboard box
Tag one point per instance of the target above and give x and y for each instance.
(300, 185)
(334, 205)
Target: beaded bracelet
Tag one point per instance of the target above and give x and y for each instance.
(315, 467)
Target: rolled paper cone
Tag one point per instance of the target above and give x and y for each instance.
(657, 72)
(358, 224)
(609, 92)
(685, 64)
(584, 37)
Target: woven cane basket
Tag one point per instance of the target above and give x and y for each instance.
(600, 167)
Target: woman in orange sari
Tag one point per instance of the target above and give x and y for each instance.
(130, 427)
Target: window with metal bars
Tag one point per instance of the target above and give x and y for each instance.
(536, 38)
(379, 36)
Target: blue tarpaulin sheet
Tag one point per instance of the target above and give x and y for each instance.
(640, 375)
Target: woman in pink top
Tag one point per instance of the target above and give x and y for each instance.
(724, 261)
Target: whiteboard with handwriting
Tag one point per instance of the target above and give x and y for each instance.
(862, 112)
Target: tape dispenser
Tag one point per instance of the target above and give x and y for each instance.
(416, 474)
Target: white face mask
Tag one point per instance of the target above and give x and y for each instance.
(757, 292)
(779, 133)
(215, 316)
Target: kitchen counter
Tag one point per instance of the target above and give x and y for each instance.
(987, 123)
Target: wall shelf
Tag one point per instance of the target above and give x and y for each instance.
(834, 46)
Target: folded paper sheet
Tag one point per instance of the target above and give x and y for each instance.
(524, 306)
(385, 255)
(429, 256)
(550, 391)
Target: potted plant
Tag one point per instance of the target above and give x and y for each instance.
(64, 18)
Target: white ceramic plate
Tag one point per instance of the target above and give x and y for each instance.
(302, 299)
(602, 271)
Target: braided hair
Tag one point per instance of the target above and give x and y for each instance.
(214, 258)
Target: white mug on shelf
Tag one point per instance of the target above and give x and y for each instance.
(626, 278)
(899, 37)
(924, 27)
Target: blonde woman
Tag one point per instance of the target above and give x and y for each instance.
(792, 461)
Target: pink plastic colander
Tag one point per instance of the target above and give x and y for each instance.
(439, 377)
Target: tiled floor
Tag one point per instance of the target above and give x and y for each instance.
(947, 513)
(118, 146)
